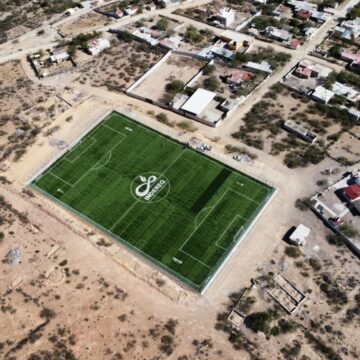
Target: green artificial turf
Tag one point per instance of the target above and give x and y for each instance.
(199, 212)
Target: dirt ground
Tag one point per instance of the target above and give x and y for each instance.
(347, 147)
(88, 22)
(77, 294)
(118, 67)
(175, 68)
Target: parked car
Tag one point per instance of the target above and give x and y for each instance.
(238, 158)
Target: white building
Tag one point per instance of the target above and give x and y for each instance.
(263, 66)
(198, 102)
(96, 46)
(59, 55)
(300, 131)
(298, 237)
(85, 4)
(349, 92)
(322, 94)
(278, 34)
(226, 16)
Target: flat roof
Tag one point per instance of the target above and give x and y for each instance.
(198, 101)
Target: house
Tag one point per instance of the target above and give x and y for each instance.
(299, 235)
(349, 56)
(303, 14)
(263, 66)
(131, 10)
(349, 92)
(236, 40)
(278, 34)
(355, 66)
(96, 46)
(236, 77)
(294, 44)
(320, 16)
(118, 13)
(302, 5)
(222, 52)
(198, 102)
(317, 70)
(300, 131)
(85, 4)
(354, 113)
(322, 94)
(59, 55)
(69, 12)
(352, 192)
(225, 17)
(309, 32)
(171, 43)
(303, 72)
(349, 29)
(147, 35)
(151, 7)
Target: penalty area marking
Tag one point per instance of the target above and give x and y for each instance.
(95, 166)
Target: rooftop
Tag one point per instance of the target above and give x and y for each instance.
(198, 102)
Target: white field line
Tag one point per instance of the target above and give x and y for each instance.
(229, 255)
(231, 222)
(217, 203)
(208, 207)
(199, 261)
(59, 178)
(128, 209)
(93, 167)
(101, 166)
(52, 162)
(73, 149)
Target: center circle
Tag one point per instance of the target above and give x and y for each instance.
(150, 187)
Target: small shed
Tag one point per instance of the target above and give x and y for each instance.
(299, 235)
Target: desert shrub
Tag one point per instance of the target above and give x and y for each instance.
(258, 321)
(163, 118)
(167, 344)
(292, 251)
(287, 326)
(332, 290)
(303, 204)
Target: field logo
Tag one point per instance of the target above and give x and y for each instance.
(149, 186)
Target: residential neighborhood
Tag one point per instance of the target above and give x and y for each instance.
(187, 171)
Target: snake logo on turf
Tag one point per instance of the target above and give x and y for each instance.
(150, 187)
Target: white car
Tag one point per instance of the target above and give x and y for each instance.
(207, 146)
(238, 158)
(201, 148)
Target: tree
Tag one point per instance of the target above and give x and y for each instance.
(335, 51)
(162, 24)
(209, 69)
(258, 321)
(174, 86)
(211, 83)
(192, 34)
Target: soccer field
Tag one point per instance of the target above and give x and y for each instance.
(178, 208)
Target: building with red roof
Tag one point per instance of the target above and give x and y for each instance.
(237, 76)
(294, 43)
(350, 56)
(352, 192)
(303, 14)
(303, 72)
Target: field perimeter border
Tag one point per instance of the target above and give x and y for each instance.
(176, 276)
